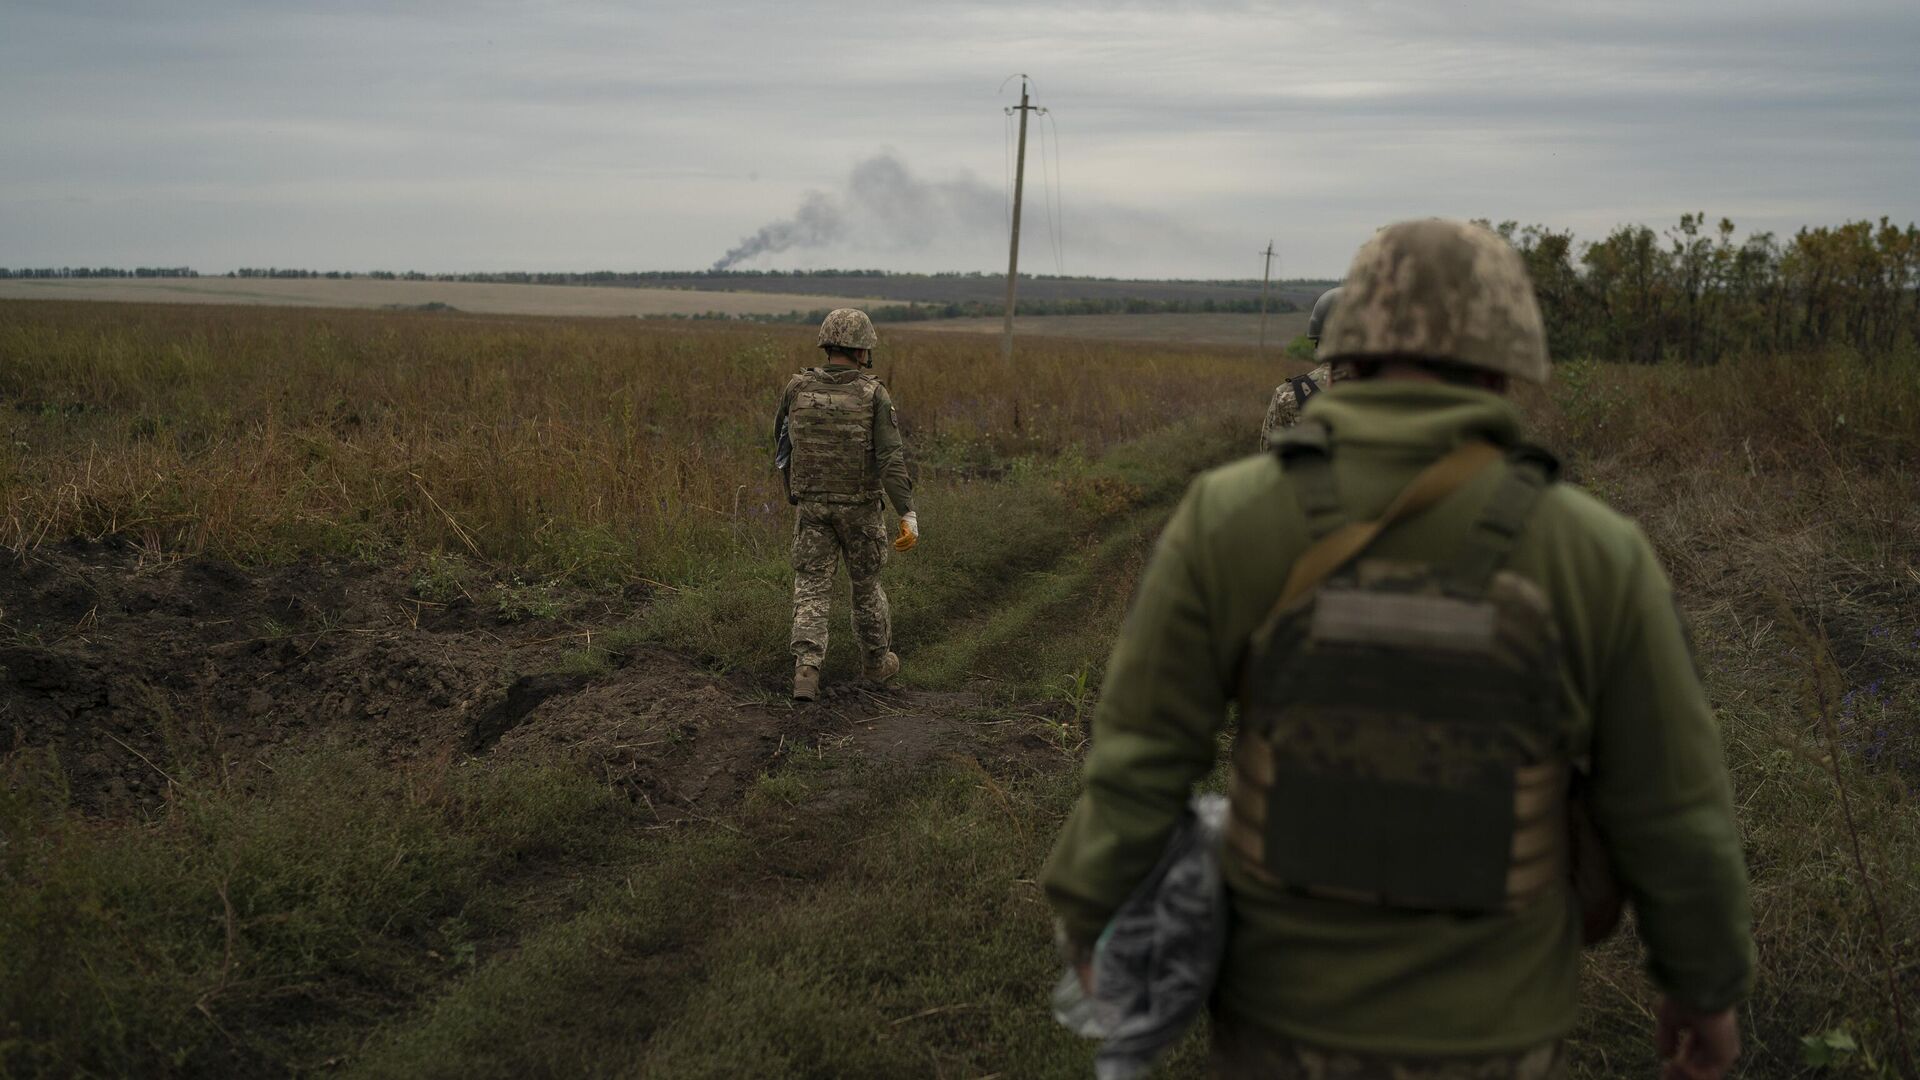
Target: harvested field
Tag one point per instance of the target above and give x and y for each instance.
(574, 300)
(1230, 329)
(982, 288)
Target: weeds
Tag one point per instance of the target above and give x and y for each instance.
(1782, 498)
(863, 921)
(442, 578)
(325, 893)
(602, 451)
(518, 601)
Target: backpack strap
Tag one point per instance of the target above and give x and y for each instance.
(1485, 549)
(1303, 388)
(1304, 457)
(1334, 549)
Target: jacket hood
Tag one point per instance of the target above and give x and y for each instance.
(1414, 414)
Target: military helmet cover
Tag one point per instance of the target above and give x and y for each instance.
(848, 328)
(1440, 290)
(1322, 310)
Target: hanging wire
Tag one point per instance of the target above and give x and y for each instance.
(1059, 215)
(1046, 187)
(1049, 197)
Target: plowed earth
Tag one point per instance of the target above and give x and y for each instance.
(125, 664)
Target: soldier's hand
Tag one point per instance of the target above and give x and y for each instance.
(1695, 1045)
(909, 532)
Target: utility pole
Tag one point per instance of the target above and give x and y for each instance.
(1265, 275)
(1013, 244)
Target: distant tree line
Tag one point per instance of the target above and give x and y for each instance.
(711, 278)
(99, 272)
(1691, 293)
(1694, 294)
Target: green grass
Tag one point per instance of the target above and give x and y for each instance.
(247, 928)
(993, 581)
(900, 934)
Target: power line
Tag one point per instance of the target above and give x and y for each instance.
(1059, 206)
(1050, 197)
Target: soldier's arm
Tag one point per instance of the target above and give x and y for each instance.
(1153, 738)
(1280, 413)
(890, 454)
(782, 441)
(1662, 800)
(780, 415)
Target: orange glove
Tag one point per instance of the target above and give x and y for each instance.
(909, 532)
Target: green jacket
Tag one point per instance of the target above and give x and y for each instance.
(889, 461)
(1371, 979)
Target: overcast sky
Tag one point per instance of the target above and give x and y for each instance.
(580, 135)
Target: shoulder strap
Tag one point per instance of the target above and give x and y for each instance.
(1304, 387)
(1335, 549)
(1486, 547)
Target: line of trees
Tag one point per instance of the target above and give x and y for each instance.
(1695, 294)
(99, 272)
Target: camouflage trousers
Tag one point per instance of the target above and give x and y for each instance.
(823, 534)
(1243, 1051)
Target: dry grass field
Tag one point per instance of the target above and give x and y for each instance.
(1226, 329)
(402, 694)
(569, 300)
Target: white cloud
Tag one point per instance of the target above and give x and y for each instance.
(459, 136)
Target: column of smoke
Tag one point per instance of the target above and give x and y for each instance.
(886, 208)
(883, 206)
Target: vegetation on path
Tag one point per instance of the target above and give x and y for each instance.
(862, 904)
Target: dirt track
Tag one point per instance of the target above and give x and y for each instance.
(127, 666)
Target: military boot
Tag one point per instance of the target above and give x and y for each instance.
(879, 671)
(806, 682)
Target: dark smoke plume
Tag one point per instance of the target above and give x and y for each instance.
(883, 206)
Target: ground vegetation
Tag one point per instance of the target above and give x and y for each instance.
(448, 651)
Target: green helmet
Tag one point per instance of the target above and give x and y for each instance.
(1440, 290)
(1322, 309)
(848, 328)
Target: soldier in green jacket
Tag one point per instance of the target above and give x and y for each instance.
(838, 449)
(1415, 702)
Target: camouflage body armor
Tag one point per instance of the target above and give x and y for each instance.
(831, 426)
(1404, 740)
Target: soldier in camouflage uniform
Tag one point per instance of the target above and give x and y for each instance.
(838, 448)
(1291, 396)
(1459, 682)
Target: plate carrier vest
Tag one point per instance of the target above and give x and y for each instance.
(830, 423)
(1404, 739)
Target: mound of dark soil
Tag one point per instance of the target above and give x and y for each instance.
(140, 673)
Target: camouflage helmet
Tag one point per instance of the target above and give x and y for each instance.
(1440, 290)
(848, 328)
(1322, 310)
